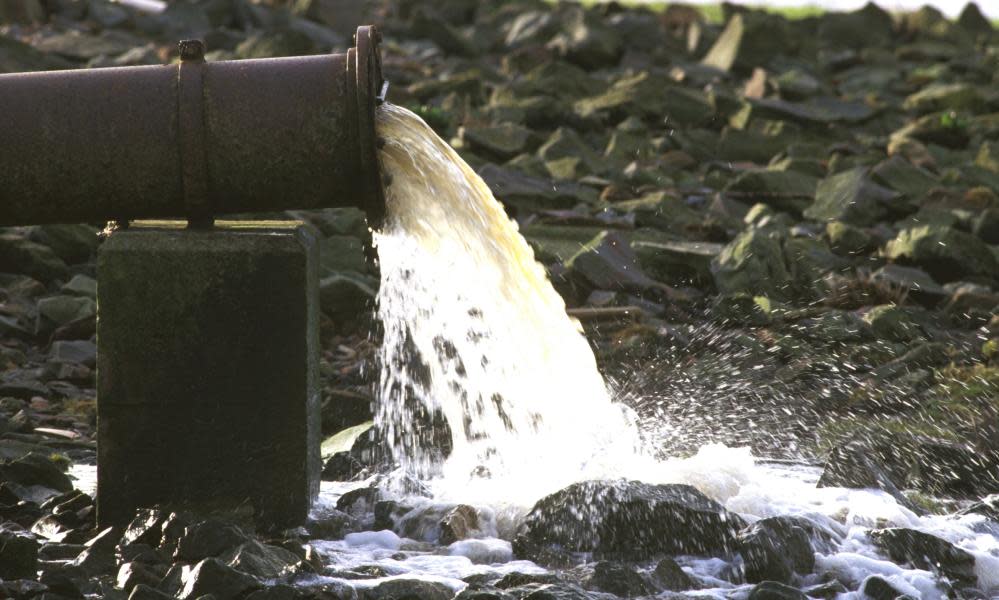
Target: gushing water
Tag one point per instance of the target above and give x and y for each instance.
(476, 337)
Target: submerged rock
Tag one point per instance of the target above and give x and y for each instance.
(774, 549)
(627, 520)
(925, 551)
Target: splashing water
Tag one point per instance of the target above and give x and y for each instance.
(477, 337)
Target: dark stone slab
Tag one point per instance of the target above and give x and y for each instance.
(208, 391)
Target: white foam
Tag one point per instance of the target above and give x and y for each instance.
(374, 539)
(484, 551)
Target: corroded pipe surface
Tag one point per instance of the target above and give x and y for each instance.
(192, 139)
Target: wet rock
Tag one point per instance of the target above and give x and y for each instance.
(341, 253)
(845, 239)
(18, 556)
(986, 226)
(260, 560)
(531, 193)
(587, 43)
(618, 579)
(81, 285)
(398, 589)
(81, 352)
(132, 574)
(62, 310)
(856, 465)
(899, 174)
(459, 523)
(925, 551)
(891, 322)
(876, 587)
(946, 96)
(480, 592)
(345, 295)
(649, 97)
(749, 40)
(753, 263)
(668, 575)
(72, 243)
(207, 538)
(565, 144)
(918, 283)
(786, 191)
(608, 263)
(147, 592)
(342, 466)
(37, 470)
(212, 576)
(513, 580)
(677, 263)
(98, 555)
(553, 591)
(19, 255)
(988, 507)
(498, 142)
(773, 590)
(853, 198)
(627, 520)
(774, 549)
(945, 253)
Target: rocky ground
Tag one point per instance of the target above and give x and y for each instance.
(780, 233)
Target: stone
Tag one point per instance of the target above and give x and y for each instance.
(19, 255)
(857, 466)
(988, 507)
(132, 574)
(212, 576)
(918, 283)
(398, 589)
(460, 523)
(945, 96)
(566, 143)
(587, 43)
(749, 40)
(899, 174)
(83, 352)
(773, 590)
(208, 538)
(868, 26)
(230, 315)
(143, 591)
(677, 263)
(81, 285)
(341, 253)
(927, 552)
(668, 575)
(972, 20)
(650, 97)
(523, 192)
(847, 240)
(853, 198)
(876, 587)
(34, 469)
(343, 296)
(18, 556)
(786, 191)
(753, 263)
(499, 142)
(74, 244)
(262, 560)
(891, 322)
(618, 579)
(607, 262)
(809, 260)
(62, 310)
(98, 556)
(947, 254)
(531, 27)
(626, 520)
(775, 549)
(986, 226)
(287, 42)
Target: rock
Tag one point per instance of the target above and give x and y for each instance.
(918, 283)
(945, 253)
(459, 523)
(33, 469)
(72, 243)
(627, 520)
(986, 226)
(972, 20)
(288, 42)
(677, 263)
(260, 560)
(498, 142)
(847, 240)
(647, 96)
(853, 198)
(566, 144)
(925, 551)
(786, 191)
(749, 40)
(147, 592)
(531, 27)
(856, 465)
(81, 285)
(773, 590)
(399, 589)
(212, 576)
(774, 549)
(891, 322)
(98, 557)
(345, 295)
(82, 352)
(618, 579)
(945, 96)
(607, 262)
(876, 587)
(341, 253)
(146, 528)
(753, 263)
(587, 43)
(132, 574)
(18, 556)
(18, 255)
(668, 575)
(480, 592)
(869, 26)
(899, 174)
(524, 192)
(62, 310)
(208, 538)
(809, 261)
(988, 507)
(342, 466)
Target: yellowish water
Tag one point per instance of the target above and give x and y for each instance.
(475, 332)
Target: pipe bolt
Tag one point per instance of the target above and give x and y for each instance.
(192, 50)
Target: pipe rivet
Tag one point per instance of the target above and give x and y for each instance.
(380, 142)
(192, 50)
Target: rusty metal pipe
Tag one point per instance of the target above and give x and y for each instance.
(192, 139)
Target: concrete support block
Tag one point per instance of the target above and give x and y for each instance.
(208, 350)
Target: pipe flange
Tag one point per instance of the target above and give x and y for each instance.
(371, 89)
